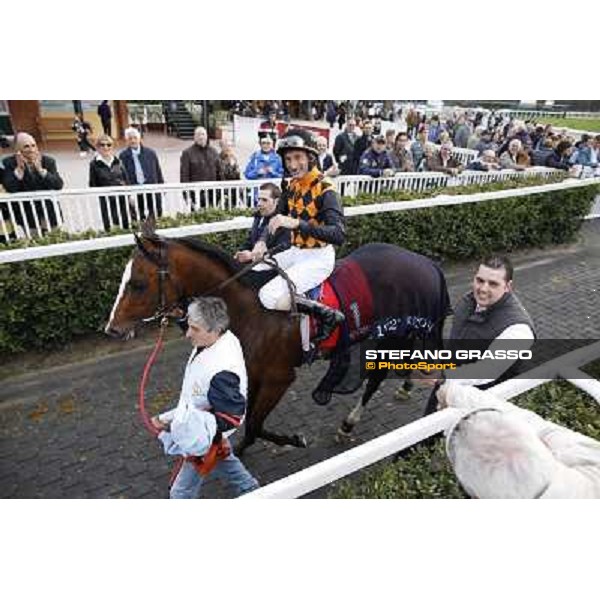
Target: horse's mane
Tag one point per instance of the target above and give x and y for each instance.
(249, 279)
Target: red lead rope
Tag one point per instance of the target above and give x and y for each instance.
(141, 401)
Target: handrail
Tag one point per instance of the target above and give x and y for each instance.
(33, 214)
(325, 472)
(240, 222)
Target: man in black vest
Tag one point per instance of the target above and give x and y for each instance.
(490, 312)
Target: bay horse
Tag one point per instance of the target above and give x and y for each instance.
(165, 273)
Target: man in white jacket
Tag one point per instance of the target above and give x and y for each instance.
(212, 403)
(498, 450)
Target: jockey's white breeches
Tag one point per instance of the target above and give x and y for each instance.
(306, 267)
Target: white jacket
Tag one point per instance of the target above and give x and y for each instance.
(578, 456)
(224, 355)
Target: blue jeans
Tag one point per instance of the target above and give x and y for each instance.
(188, 482)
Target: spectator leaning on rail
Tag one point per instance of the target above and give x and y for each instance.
(265, 163)
(266, 208)
(486, 162)
(559, 158)
(142, 167)
(28, 170)
(510, 158)
(584, 154)
(376, 161)
(498, 450)
(443, 161)
(212, 403)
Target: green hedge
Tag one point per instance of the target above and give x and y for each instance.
(48, 302)
(426, 472)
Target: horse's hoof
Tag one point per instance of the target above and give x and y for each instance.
(402, 394)
(342, 437)
(300, 441)
(321, 398)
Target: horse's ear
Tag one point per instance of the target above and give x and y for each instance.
(149, 227)
(139, 242)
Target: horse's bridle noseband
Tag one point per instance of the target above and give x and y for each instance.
(162, 262)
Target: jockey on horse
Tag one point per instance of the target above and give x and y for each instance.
(311, 210)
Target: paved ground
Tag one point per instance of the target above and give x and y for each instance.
(73, 431)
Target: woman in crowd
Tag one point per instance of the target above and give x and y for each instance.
(106, 170)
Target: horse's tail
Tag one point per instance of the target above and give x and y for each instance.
(445, 306)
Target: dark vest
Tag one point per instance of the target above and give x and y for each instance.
(489, 324)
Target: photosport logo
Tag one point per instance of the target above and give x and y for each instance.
(462, 359)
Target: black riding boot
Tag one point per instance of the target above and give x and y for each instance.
(329, 318)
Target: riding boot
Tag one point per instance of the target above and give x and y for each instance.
(329, 318)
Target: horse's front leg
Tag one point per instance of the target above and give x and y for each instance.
(355, 414)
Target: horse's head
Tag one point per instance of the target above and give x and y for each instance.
(147, 289)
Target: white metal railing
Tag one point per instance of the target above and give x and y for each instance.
(550, 113)
(240, 222)
(337, 467)
(33, 214)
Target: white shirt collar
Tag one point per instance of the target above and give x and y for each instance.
(104, 160)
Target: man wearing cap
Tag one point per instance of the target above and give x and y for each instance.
(265, 162)
(375, 161)
(311, 212)
(498, 450)
(212, 403)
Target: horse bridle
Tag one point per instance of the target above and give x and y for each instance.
(162, 262)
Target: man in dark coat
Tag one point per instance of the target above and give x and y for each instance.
(28, 170)
(200, 162)
(266, 208)
(343, 149)
(143, 168)
(363, 143)
(105, 114)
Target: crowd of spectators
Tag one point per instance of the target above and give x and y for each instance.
(419, 142)
(370, 142)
